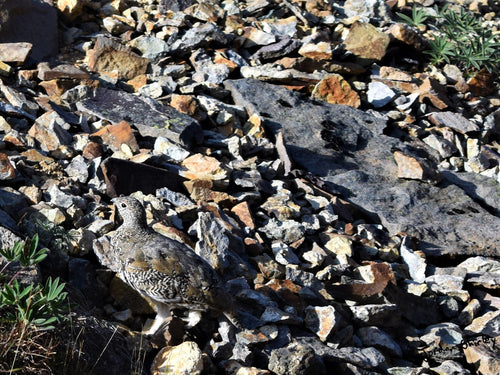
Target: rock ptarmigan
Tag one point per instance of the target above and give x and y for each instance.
(167, 271)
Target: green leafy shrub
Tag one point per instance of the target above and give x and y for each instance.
(417, 19)
(27, 311)
(459, 38)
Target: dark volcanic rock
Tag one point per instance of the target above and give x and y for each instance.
(33, 21)
(175, 5)
(296, 360)
(126, 177)
(102, 348)
(148, 116)
(347, 147)
(482, 188)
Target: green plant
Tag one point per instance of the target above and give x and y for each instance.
(417, 19)
(441, 50)
(461, 39)
(59, 238)
(36, 305)
(27, 311)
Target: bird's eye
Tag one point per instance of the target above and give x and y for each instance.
(124, 205)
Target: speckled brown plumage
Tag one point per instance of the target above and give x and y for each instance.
(165, 270)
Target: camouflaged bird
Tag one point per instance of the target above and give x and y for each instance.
(167, 271)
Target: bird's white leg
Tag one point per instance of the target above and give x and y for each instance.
(162, 313)
(193, 318)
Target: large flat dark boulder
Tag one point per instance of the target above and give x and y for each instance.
(33, 21)
(125, 177)
(150, 118)
(347, 147)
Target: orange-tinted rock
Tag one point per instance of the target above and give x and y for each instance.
(184, 103)
(316, 51)
(433, 91)
(92, 150)
(286, 290)
(7, 171)
(137, 82)
(56, 87)
(116, 135)
(219, 58)
(335, 89)
(203, 167)
(70, 9)
(381, 274)
(206, 195)
(322, 320)
(243, 213)
(483, 83)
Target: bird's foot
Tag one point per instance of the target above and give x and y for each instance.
(162, 314)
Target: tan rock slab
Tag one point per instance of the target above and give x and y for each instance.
(70, 9)
(395, 74)
(183, 359)
(367, 42)
(412, 168)
(484, 353)
(46, 73)
(406, 34)
(201, 194)
(5, 69)
(337, 244)
(203, 167)
(115, 60)
(15, 52)
(244, 214)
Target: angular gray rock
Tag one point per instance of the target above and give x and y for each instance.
(347, 148)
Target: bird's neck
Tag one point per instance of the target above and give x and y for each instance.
(135, 223)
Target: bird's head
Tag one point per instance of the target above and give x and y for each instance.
(131, 211)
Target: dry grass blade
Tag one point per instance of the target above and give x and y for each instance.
(25, 350)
